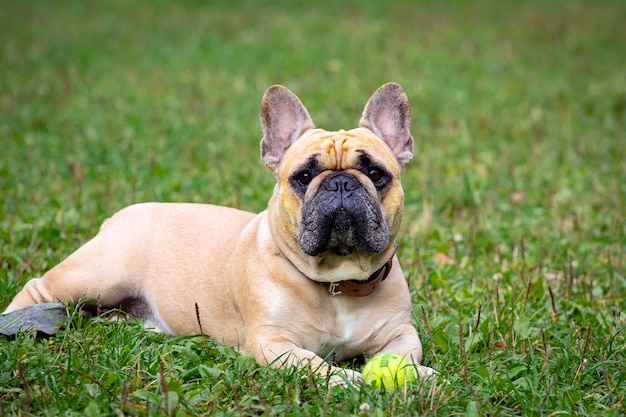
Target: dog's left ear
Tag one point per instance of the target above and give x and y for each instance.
(388, 115)
(283, 120)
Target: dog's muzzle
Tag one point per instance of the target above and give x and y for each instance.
(342, 218)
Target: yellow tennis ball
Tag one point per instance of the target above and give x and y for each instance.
(388, 371)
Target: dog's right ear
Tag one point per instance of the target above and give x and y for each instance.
(283, 120)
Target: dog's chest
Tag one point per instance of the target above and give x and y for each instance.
(344, 325)
(347, 331)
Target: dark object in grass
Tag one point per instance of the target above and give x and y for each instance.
(45, 318)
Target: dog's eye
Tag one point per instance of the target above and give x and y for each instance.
(304, 178)
(301, 179)
(375, 174)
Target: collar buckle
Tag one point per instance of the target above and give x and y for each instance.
(332, 289)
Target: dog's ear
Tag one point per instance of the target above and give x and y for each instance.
(283, 120)
(388, 115)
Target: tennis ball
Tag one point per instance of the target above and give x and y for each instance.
(388, 371)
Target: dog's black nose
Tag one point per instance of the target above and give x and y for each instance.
(341, 182)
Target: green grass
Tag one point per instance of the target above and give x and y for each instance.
(514, 237)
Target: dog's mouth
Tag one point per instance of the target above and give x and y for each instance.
(342, 219)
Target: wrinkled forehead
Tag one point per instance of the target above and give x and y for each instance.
(339, 150)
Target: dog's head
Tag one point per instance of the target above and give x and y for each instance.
(338, 202)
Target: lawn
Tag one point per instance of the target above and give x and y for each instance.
(514, 236)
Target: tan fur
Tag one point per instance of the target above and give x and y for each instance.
(253, 286)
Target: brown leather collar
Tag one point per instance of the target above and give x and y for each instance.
(355, 288)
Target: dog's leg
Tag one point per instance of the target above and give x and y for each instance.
(284, 353)
(96, 272)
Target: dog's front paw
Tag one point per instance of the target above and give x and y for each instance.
(425, 372)
(344, 378)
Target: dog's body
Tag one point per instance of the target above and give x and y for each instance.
(313, 275)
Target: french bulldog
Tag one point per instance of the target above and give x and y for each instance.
(313, 277)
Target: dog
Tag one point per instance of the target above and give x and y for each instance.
(313, 277)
